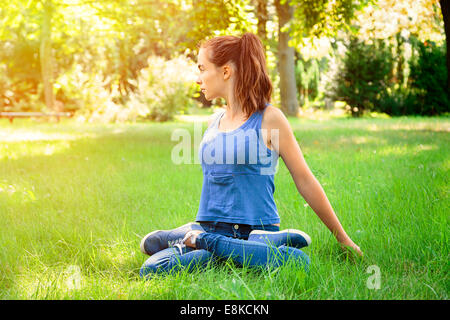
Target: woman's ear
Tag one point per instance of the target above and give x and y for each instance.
(227, 70)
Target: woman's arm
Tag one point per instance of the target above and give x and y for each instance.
(307, 185)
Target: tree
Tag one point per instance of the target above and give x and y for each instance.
(286, 63)
(445, 7)
(46, 53)
(397, 22)
(300, 19)
(364, 76)
(21, 41)
(262, 15)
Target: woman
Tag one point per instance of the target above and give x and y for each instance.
(237, 215)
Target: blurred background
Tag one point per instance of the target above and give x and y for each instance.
(135, 60)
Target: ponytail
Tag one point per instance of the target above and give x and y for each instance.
(254, 88)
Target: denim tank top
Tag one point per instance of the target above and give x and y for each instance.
(238, 175)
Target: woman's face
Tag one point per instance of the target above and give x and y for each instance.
(210, 77)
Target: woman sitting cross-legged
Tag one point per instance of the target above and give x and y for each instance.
(237, 217)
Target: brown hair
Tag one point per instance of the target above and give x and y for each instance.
(253, 87)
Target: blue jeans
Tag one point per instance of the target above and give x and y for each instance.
(220, 242)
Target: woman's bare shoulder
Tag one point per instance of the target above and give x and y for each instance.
(274, 118)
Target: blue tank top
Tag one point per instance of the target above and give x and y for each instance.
(238, 174)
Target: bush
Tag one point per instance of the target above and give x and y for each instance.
(428, 79)
(426, 92)
(163, 89)
(364, 75)
(396, 101)
(166, 87)
(20, 76)
(307, 77)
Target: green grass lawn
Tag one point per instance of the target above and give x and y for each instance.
(75, 200)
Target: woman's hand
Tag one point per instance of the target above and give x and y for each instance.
(190, 237)
(349, 245)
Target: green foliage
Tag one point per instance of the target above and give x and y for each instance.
(317, 18)
(426, 91)
(428, 79)
(307, 76)
(397, 101)
(98, 49)
(364, 75)
(20, 73)
(20, 78)
(213, 17)
(109, 42)
(166, 87)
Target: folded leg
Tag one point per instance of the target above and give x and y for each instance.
(171, 260)
(250, 253)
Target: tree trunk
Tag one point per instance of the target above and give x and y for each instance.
(445, 7)
(400, 76)
(263, 16)
(286, 63)
(46, 55)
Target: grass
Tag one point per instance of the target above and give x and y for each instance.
(75, 199)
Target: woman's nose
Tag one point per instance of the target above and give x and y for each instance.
(198, 81)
